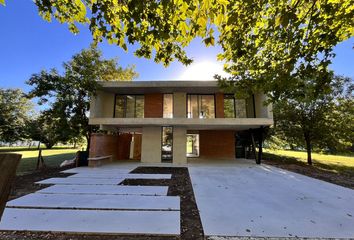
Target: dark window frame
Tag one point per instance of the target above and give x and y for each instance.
(125, 104)
(233, 99)
(199, 106)
(161, 140)
(247, 113)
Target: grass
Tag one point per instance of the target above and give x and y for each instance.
(334, 163)
(316, 157)
(52, 157)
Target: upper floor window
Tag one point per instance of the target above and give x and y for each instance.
(238, 108)
(200, 106)
(168, 105)
(129, 106)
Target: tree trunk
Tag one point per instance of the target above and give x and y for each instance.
(308, 148)
(48, 145)
(88, 139)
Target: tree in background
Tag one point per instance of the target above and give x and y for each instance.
(317, 117)
(48, 129)
(15, 110)
(68, 94)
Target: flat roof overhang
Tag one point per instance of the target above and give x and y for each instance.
(140, 87)
(189, 123)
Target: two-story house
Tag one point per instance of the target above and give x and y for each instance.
(157, 121)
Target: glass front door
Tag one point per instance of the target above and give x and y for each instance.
(192, 145)
(167, 144)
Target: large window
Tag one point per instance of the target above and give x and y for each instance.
(238, 108)
(129, 106)
(168, 105)
(200, 106)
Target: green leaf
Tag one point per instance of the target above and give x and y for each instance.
(2, 2)
(209, 41)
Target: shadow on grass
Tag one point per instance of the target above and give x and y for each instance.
(318, 168)
(293, 160)
(28, 165)
(21, 149)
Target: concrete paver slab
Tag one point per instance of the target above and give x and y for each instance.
(92, 221)
(82, 181)
(106, 189)
(122, 202)
(121, 175)
(250, 200)
(97, 170)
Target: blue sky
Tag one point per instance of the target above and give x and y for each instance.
(28, 44)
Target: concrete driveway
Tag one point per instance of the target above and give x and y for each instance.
(240, 198)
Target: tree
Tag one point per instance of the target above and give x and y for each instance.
(270, 45)
(314, 116)
(48, 129)
(267, 44)
(69, 94)
(15, 109)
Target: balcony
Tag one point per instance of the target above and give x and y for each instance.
(189, 123)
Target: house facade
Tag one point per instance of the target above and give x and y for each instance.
(172, 121)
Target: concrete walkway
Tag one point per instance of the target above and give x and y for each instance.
(240, 198)
(83, 203)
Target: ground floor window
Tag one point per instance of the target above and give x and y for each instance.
(166, 144)
(192, 145)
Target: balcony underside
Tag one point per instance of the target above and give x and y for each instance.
(189, 123)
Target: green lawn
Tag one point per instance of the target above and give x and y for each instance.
(52, 157)
(317, 157)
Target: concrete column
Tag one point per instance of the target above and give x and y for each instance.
(151, 145)
(179, 145)
(179, 105)
(261, 109)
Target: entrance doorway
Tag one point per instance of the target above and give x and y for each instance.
(192, 145)
(167, 144)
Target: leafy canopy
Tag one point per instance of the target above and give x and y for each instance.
(68, 94)
(267, 44)
(15, 110)
(270, 45)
